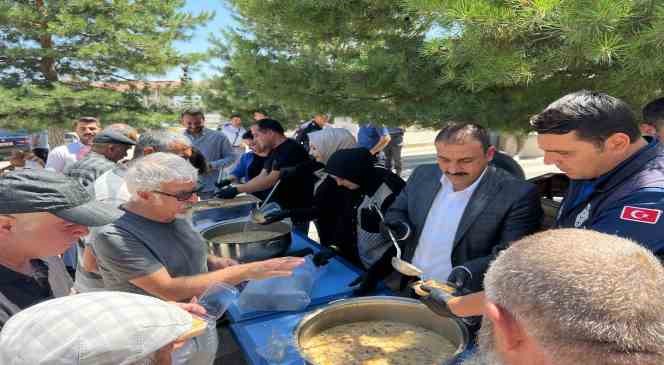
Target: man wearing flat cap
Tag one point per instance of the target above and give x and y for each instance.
(41, 215)
(128, 329)
(108, 147)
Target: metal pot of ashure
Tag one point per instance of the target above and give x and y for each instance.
(378, 309)
(245, 241)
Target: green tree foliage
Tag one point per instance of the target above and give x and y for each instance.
(358, 58)
(425, 61)
(546, 48)
(56, 49)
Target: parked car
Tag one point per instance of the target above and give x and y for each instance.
(70, 137)
(10, 140)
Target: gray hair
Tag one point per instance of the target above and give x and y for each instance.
(149, 172)
(585, 296)
(159, 139)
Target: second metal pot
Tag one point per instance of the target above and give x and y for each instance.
(249, 251)
(380, 308)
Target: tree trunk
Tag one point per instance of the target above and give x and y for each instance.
(56, 136)
(47, 63)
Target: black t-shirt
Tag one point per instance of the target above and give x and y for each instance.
(19, 291)
(296, 192)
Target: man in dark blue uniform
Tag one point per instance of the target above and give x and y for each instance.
(617, 176)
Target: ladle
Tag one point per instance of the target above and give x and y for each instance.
(257, 215)
(398, 264)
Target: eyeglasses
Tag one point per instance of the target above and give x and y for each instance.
(182, 196)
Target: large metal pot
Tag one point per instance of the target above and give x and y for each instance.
(249, 251)
(382, 308)
(208, 212)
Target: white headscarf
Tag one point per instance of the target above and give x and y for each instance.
(329, 140)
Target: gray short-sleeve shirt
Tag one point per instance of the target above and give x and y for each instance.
(134, 246)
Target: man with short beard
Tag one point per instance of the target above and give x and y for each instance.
(560, 298)
(212, 144)
(455, 217)
(62, 156)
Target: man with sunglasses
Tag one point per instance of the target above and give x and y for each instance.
(153, 250)
(111, 188)
(34, 231)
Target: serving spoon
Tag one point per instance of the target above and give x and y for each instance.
(398, 264)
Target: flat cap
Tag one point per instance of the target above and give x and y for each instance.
(32, 191)
(113, 137)
(97, 328)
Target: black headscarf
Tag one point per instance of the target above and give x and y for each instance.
(358, 166)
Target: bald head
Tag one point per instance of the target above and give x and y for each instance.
(576, 296)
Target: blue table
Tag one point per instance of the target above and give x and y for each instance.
(333, 284)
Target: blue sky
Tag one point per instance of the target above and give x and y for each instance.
(199, 42)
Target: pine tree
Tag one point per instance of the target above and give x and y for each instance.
(496, 62)
(52, 52)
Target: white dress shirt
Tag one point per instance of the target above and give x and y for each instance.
(433, 254)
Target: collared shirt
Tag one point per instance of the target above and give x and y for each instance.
(233, 134)
(217, 150)
(63, 156)
(19, 291)
(434, 250)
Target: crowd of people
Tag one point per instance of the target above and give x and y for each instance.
(102, 244)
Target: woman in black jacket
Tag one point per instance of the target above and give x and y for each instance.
(345, 201)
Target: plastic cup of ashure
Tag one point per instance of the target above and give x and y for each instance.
(216, 299)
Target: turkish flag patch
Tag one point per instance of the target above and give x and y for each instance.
(643, 215)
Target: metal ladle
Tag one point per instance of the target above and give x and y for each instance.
(256, 214)
(398, 264)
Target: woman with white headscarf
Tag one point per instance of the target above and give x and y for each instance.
(333, 208)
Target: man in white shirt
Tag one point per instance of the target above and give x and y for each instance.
(62, 156)
(234, 131)
(454, 218)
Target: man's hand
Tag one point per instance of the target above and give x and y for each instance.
(219, 263)
(223, 182)
(228, 192)
(281, 266)
(460, 277)
(192, 307)
(436, 299)
(400, 229)
(276, 216)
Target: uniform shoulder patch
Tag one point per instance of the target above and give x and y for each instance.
(642, 215)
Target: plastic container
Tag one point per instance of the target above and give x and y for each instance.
(216, 299)
(288, 293)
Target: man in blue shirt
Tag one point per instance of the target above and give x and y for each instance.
(212, 144)
(617, 176)
(373, 137)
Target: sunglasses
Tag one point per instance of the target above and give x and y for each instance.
(182, 196)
